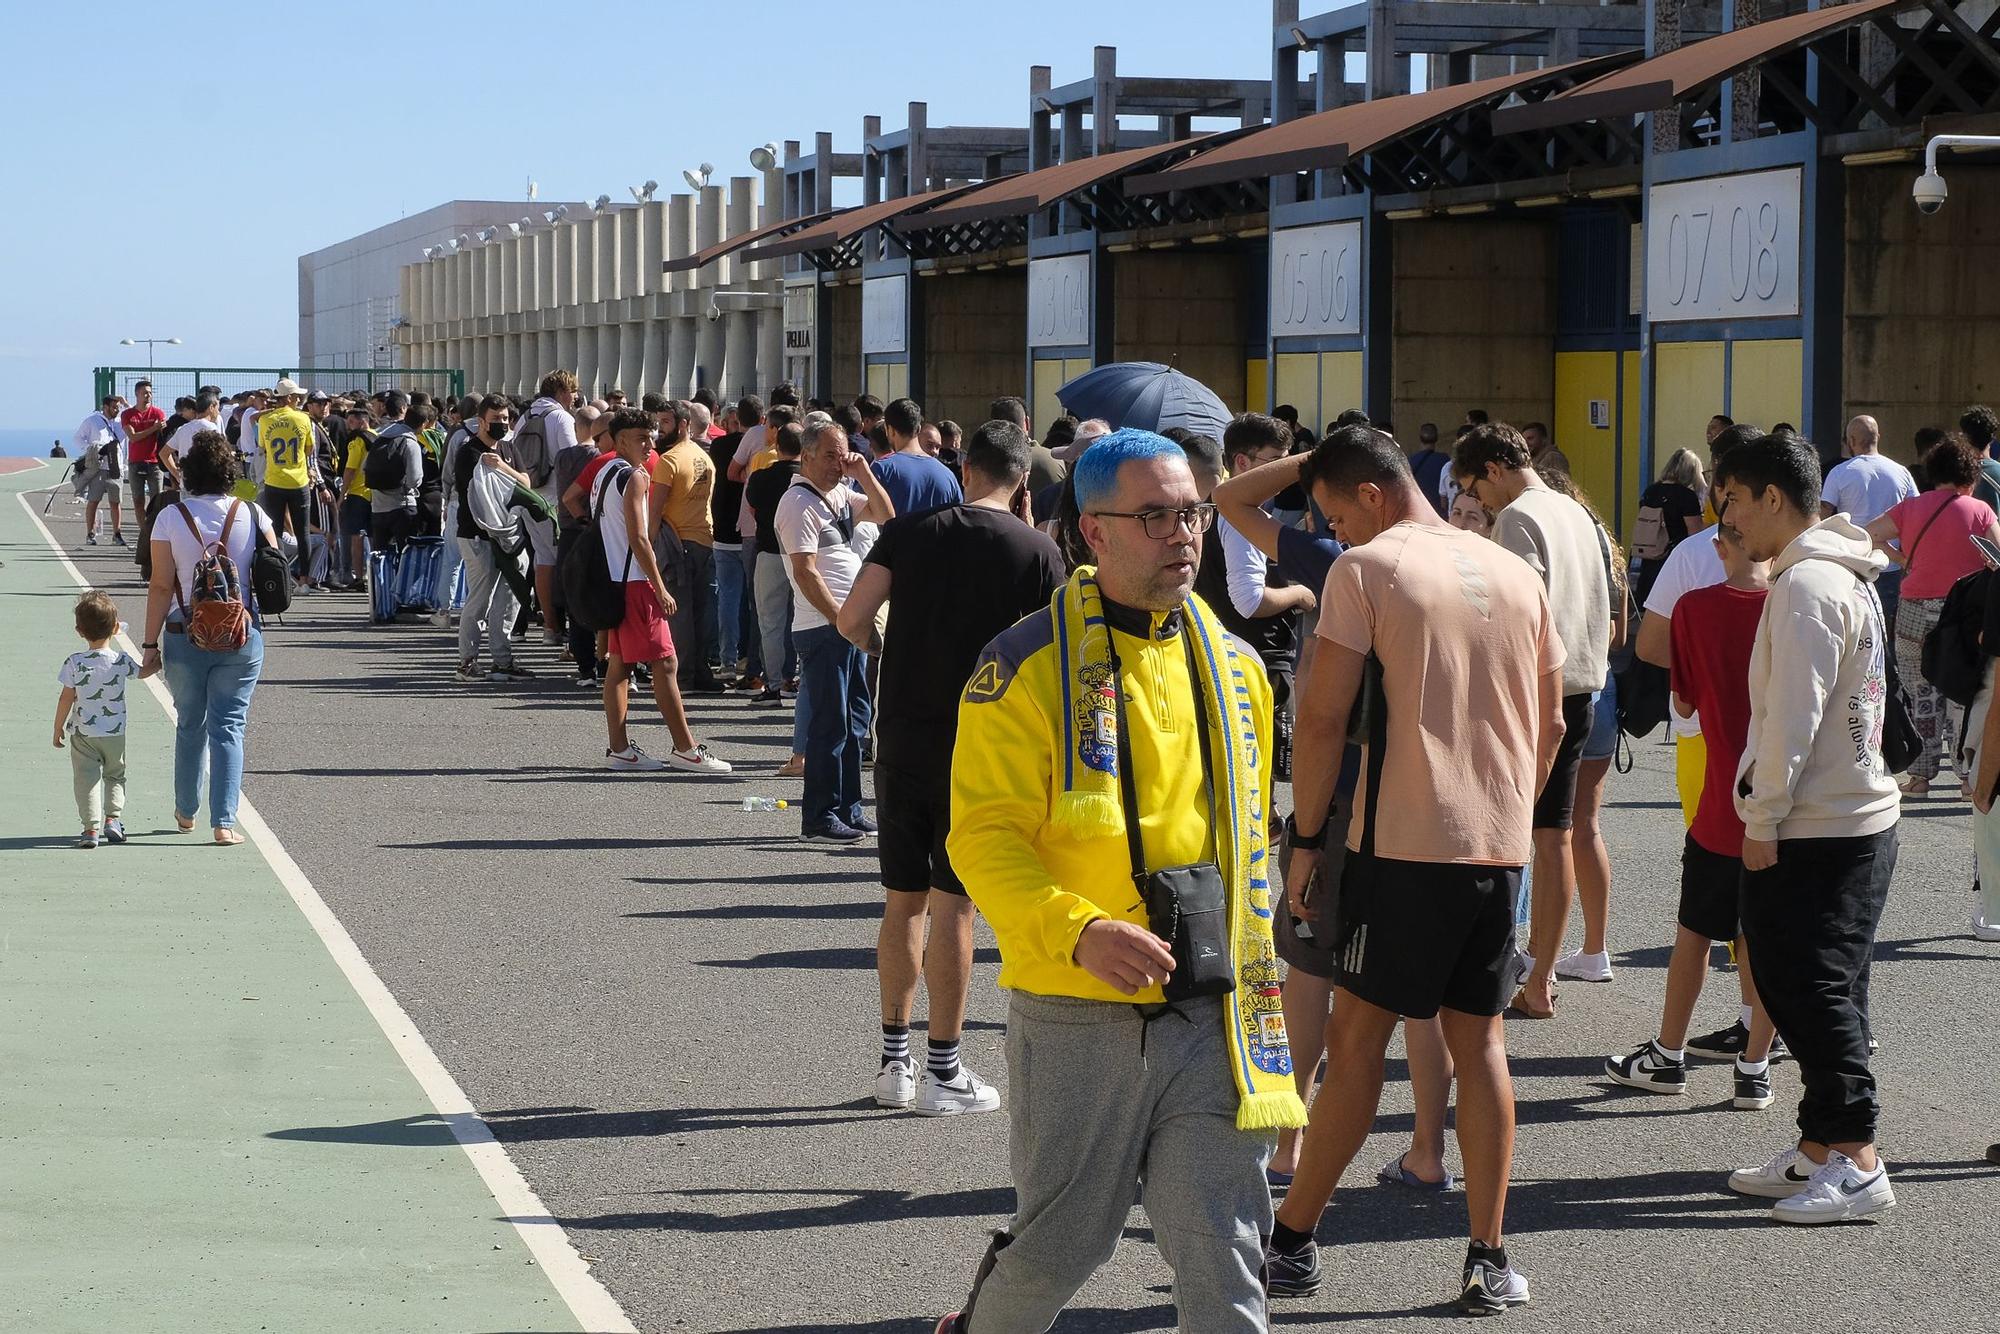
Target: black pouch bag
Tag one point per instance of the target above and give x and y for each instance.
(1186, 906)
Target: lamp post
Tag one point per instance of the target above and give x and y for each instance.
(149, 342)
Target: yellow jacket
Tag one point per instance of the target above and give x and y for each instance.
(1040, 886)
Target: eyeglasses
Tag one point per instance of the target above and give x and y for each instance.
(1162, 524)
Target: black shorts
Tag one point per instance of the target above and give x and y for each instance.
(1557, 802)
(391, 528)
(913, 815)
(356, 517)
(1711, 887)
(1417, 937)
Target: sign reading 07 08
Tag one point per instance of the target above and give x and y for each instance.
(1723, 247)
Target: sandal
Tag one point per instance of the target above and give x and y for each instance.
(186, 825)
(1915, 787)
(1395, 1174)
(1519, 1005)
(227, 838)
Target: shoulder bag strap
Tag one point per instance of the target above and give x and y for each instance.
(1128, 786)
(188, 515)
(1376, 701)
(1910, 552)
(603, 493)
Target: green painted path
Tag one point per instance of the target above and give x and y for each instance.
(174, 1026)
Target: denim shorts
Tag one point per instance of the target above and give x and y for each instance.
(1603, 738)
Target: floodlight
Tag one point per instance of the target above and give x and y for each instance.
(764, 157)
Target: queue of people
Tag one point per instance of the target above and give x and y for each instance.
(1081, 667)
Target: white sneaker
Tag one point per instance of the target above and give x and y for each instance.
(441, 619)
(1582, 967)
(1788, 1173)
(896, 1085)
(698, 761)
(1838, 1191)
(631, 760)
(1985, 930)
(969, 1094)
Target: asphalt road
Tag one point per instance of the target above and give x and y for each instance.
(666, 1008)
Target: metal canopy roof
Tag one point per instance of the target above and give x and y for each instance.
(1328, 139)
(1031, 192)
(702, 258)
(836, 231)
(1659, 83)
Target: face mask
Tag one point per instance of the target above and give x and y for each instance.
(496, 429)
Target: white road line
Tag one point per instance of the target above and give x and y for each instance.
(594, 1307)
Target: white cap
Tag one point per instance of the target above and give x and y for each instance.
(289, 389)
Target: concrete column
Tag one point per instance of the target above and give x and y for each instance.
(1103, 99)
(657, 372)
(510, 364)
(1663, 34)
(632, 359)
(548, 357)
(681, 340)
(1382, 62)
(680, 239)
(565, 358)
(629, 224)
(770, 347)
(652, 247)
(739, 355)
(823, 172)
(495, 284)
(917, 160)
(586, 358)
(708, 223)
(607, 358)
(738, 217)
(545, 270)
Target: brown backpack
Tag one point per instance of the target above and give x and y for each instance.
(215, 616)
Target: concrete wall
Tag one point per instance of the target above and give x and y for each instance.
(842, 326)
(975, 325)
(1474, 320)
(1189, 309)
(1923, 300)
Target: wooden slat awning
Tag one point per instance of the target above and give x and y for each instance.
(702, 258)
(1033, 191)
(1327, 139)
(1663, 81)
(842, 227)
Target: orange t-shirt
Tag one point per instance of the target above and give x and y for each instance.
(1463, 630)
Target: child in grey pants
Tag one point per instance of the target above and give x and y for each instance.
(90, 720)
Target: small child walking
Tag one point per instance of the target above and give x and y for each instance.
(90, 716)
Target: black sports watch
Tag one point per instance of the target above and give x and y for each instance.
(1295, 840)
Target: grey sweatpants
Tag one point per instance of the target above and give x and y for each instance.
(97, 767)
(1098, 1115)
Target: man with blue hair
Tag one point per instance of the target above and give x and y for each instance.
(1145, 1036)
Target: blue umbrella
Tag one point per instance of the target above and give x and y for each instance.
(1146, 395)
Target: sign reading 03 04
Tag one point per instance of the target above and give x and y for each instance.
(1059, 301)
(1316, 280)
(1723, 247)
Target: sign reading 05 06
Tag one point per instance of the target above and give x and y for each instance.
(1723, 247)
(1316, 280)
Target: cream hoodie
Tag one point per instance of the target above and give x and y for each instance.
(1812, 766)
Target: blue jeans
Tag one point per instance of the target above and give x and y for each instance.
(749, 642)
(726, 621)
(1889, 587)
(833, 687)
(211, 694)
(693, 621)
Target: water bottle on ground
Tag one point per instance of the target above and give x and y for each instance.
(765, 804)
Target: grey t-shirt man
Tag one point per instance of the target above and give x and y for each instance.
(383, 500)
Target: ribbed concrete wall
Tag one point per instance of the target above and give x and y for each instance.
(1188, 309)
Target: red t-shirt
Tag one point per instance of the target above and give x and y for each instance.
(1713, 631)
(587, 479)
(135, 420)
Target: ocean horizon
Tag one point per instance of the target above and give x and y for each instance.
(29, 441)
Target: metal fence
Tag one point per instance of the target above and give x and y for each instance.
(171, 382)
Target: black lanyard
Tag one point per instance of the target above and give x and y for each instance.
(1127, 787)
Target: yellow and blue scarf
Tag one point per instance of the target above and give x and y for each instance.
(1089, 806)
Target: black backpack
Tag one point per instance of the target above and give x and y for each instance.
(1952, 660)
(384, 467)
(587, 588)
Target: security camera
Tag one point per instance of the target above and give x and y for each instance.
(1929, 193)
(714, 312)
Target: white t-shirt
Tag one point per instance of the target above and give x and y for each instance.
(618, 559)
(96, 431)
(822, 525)
(1244, 566)
(1557, 539)
(1690, 565)
(98, 676)
(182, 440)
(1867, 486)
(210, 513)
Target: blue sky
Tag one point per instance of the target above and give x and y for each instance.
(169, 163)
